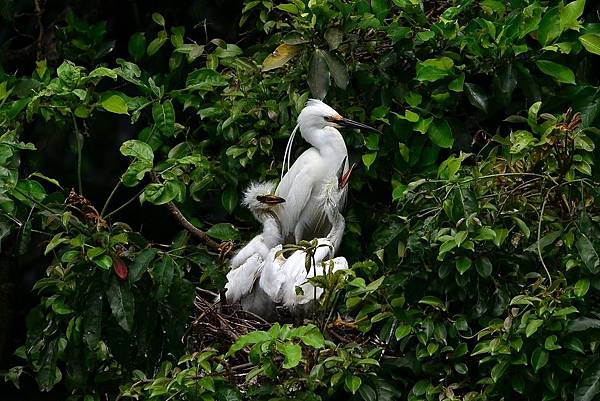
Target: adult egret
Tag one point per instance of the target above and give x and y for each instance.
(302, 217)
(281, 276)
(247, 264)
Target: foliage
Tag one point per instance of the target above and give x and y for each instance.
(472, 228)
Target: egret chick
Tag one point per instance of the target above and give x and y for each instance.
(247, 264)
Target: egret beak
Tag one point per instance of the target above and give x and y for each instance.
(347, 123)
(270, 199)
(343, 178)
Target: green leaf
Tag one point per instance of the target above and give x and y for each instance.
(532, 326)
(334, 37)
(229, 199)
(164, 117)
(581, 287)
(588, 254)
(223, 231)
(352, 383)
(591, 42)
(141, 264)
(549, 28)
(338, 70)
(367, 393)
(313, 337)
(115, 104)
(103, 72)
(159, 19)
(104, 262)
(476, 96)
(463, 264)
(582, 324)
(402, 331)
(137, 149)
(433, 301)
(434, 69)
(483, 266)
(369, 158)
(163, 273)
(539, 358)
(440, 134)
(92, 317)
(158, 42)
(48, 374)
(137, 45)
(292, 354)
(457, 84)
(557, 71)
(254, 337)
(121, 302)
(318, 75)
(54, 242)
(570, 13)
(280, 56)
(589, 385)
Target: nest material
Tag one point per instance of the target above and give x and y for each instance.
(218, 326)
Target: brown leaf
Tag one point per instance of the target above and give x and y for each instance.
(280, 56)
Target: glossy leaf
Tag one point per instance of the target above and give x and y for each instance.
(122, 303)
(557, 71)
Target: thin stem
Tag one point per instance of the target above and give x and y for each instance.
(110, 198)
(124, 204)
(539, 233)
(79, 146)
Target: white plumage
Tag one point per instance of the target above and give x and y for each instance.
(281, 276)
(247, 264)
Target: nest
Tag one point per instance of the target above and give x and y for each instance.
(218, 326)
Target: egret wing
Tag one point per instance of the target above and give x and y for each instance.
(241, 280)
(255, 246)
(296, 188)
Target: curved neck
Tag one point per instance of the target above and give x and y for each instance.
(338, 224)
(326, 139)
(271, 229)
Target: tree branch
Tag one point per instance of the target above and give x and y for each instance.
(195, 231)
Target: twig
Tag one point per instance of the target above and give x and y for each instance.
(124, 205)
(78, 142)
(539, 233)
(112, 193)
(201, 235)
(39, 10)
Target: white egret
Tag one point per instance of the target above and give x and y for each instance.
(247, 264)
(281, 276)
(303, 217)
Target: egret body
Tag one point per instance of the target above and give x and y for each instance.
(303, 215)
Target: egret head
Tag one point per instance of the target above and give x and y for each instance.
(317, 115)
(259, 198)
